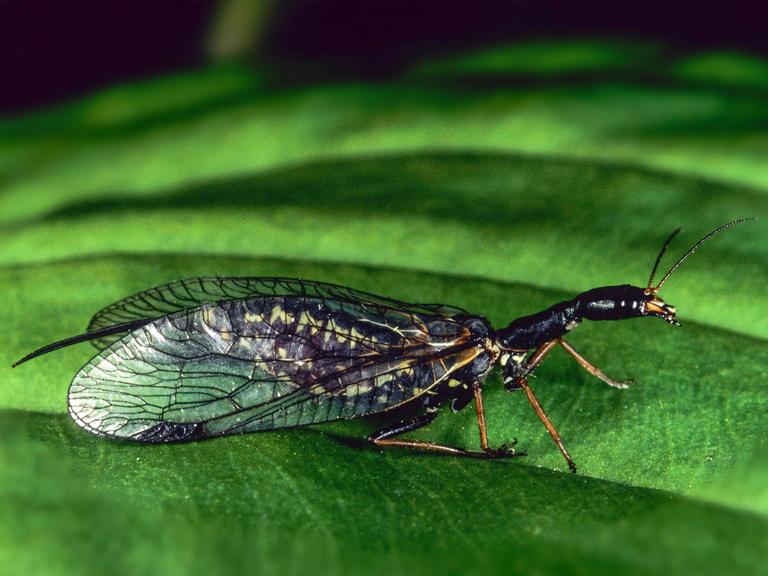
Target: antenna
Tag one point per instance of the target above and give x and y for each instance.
(658, 258)
(693, 248)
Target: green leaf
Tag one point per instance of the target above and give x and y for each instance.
(502, 201)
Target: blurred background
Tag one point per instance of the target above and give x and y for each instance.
(498, 156)
(56, 51)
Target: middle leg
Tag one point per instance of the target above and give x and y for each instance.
(506, 449)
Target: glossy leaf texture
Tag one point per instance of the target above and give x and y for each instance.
(498, 189)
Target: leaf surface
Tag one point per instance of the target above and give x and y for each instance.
(501, 196)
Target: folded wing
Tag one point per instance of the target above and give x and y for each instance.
(193, 292)
(263, 363)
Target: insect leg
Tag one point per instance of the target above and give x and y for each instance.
(523, 383)
(594, 370)
(387, 437)
(504, 449)
(545, 348)
(538, 356)
(477, 391)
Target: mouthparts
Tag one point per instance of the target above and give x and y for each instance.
(657, 307)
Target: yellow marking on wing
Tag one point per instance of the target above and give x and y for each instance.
(318, 390)
(279, 314)
(350, 391)
(276, 313)
(364, 387)
(355, 334)
(384, 379)
(215, 319)
(460, 359)
(306, 320)
(253, 317)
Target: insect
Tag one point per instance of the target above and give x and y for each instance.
(207, 357)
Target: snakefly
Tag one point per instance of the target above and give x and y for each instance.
(207, 357)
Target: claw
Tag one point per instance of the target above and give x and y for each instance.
(621, 384)
(506, 450)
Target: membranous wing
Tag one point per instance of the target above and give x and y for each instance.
(267, 362)
(193, 292)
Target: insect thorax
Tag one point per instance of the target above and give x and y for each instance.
(512, 365)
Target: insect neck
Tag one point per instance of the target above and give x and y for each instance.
(531, 331)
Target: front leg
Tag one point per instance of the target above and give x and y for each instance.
(594, 370)
(544, 349)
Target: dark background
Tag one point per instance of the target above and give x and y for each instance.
(56, 50)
